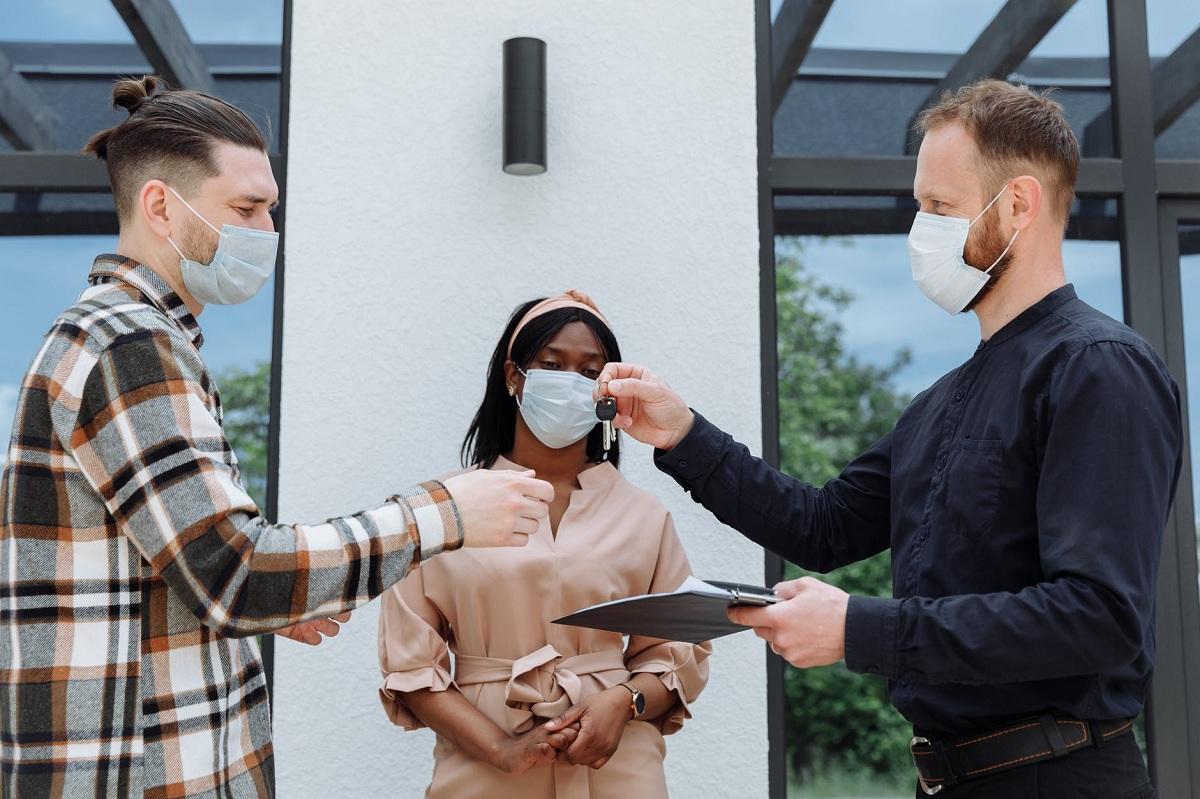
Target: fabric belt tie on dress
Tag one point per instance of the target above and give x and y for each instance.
(544, 685)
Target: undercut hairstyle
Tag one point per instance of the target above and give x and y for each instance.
(169, 136)
(1017, 130)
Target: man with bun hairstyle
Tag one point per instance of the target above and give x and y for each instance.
(135, 570)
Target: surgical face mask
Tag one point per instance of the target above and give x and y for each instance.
(557, 406)
(243, 261)
(935, 251)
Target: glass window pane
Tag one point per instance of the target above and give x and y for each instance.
(75, 21)
(78, 21)
(1081, 33)
(856, 341)
(70, 53)
(43, 275)
(1189, 276)
(231, 21)
(1168, 24)
(76, 82)
(1173, 28)
(873, 65)
(924, 26)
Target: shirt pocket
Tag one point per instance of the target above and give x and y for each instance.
(973, 487)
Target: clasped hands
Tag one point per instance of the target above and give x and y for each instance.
(586, 735)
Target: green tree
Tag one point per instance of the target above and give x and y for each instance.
(832, 408)
(246, 400)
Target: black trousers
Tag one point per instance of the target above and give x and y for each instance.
(1114, 771)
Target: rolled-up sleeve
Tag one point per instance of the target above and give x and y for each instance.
(682, 667)
(414, 654)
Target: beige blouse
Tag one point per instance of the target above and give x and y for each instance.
(492, 609)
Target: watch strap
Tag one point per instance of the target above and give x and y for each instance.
(635, 695)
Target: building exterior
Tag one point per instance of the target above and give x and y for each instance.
(686, 141)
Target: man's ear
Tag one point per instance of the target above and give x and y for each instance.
(1026, 201)
(152, 207)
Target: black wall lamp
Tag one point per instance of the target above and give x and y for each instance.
(524, 106)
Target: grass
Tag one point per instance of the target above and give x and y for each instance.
(838, 784)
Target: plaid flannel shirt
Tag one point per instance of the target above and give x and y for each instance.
(135, 569)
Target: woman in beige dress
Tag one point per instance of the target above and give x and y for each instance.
(513, 670)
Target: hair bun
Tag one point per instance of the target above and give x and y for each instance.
(131, 93)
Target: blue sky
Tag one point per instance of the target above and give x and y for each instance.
(949, 26)
(206, 21)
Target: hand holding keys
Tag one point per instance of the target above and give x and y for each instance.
(606, 411)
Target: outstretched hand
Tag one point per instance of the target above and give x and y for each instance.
(647, 408)
(499, 507)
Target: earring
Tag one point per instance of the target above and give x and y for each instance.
(512, 392)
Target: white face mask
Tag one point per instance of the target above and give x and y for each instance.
(935, 250)
(557, 406)
(243, 261)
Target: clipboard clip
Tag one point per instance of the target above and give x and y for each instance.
(752, 598)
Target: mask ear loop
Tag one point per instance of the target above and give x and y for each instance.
(198, 215)
(1006, 249)
(1011, 241)
(512, 390)
(210, 224)
(973, 221)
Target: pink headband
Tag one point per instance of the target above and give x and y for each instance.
(568, 299)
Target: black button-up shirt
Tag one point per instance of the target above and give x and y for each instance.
(1024, 497)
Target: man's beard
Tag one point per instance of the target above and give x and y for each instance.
(982, 252)
(197, 242)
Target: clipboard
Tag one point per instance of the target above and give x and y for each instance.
(693, 612)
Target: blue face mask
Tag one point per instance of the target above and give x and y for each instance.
(557, 406)
(243, 261)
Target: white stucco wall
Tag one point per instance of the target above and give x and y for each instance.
(407, 248)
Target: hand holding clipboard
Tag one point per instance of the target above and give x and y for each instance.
(696, 611)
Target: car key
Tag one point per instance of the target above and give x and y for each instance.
(606, 411)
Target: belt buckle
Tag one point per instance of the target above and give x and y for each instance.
(929, 790)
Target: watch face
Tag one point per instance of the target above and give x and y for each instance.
(639, 703)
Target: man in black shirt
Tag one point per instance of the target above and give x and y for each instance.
(1024, 495)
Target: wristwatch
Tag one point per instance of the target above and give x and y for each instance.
(638, 702)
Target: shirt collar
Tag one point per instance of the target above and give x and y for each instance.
(594, 478)
(120, 269)
(1031, 315)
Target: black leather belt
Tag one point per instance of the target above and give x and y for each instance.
(949, 762)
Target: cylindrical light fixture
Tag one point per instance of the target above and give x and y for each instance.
(524, 106)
